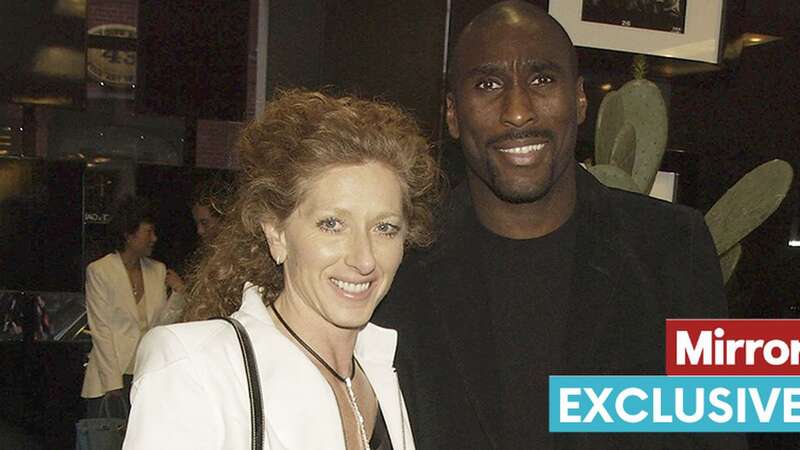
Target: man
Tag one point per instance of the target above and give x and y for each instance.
(539, 269)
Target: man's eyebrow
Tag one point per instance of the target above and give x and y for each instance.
(539, 65)
(491, 68)
(532, 65)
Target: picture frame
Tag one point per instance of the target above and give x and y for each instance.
(682, 29)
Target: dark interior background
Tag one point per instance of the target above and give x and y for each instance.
(724, 120)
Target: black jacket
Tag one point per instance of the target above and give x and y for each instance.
(638, 262)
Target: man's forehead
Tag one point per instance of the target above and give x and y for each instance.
(504, 44)
(534, 43)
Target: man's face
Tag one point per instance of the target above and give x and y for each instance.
(516, 103)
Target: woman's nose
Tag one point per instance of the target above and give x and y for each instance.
(360, 255)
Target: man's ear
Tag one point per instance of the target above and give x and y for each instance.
(452, 116)
(582, 103)
(276, 239)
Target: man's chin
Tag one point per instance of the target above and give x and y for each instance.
(520, 193)
(519, 198)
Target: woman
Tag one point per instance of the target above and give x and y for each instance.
(208, 207)
(126, 295)
(330, 192)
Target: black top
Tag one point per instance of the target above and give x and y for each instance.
(528, 283)
(380, 434)
(637, 261)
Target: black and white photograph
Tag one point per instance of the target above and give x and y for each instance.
(680, 29)
(661, 15)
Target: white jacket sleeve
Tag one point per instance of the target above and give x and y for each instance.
(170, 408)
(172, 310)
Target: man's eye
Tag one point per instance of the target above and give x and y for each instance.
(330, 225)
(488, 85)
(541, 79)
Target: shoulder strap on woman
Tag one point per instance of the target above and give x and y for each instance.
(253, 384)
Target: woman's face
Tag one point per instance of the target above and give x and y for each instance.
(141, 241)
(205, 222)
(342, 245)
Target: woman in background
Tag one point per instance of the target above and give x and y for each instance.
(208, 207)
(330, 192)
(126, 295)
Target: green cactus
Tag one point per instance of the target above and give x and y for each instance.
(613, 176)
(610, 120)
(640, 104)
(639, 67)
(623, 152)
(630, 140)
(748, 203)
(728, 262)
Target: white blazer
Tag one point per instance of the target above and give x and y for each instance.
(114, 318)
(190, 390)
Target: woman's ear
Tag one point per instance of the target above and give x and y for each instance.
(276, 240)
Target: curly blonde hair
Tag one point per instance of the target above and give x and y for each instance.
(300, 135)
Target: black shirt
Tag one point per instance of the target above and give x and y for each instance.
(528, 284)
(380, 434)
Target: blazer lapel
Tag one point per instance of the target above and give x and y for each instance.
(384, 382)
(457, 290)
(293, 389)
(598, 266)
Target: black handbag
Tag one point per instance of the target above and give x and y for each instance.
(253, 384)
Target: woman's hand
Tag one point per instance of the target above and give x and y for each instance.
(116, 393)
(175, 282)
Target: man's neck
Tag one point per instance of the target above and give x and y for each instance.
(524, 220)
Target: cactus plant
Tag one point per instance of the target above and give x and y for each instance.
(630, 140)
(728, 262)
(640, 104)
(748, 203)
(623, 152)
(613, 176)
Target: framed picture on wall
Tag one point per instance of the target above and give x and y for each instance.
(683, 29)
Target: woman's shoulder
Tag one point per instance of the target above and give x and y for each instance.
(376, 343)
(168, 344)
(103, 262)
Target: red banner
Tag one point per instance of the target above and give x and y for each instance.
(733, 347)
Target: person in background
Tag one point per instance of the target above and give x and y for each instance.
(208, 207)
(331, 192)
(126, 295)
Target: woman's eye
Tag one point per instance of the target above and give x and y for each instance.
(488, 85)
(388, 229)
(330, 225)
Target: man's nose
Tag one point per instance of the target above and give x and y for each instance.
(360, 254)
(518, 108)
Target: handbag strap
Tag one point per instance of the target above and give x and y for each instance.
(253, 384)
